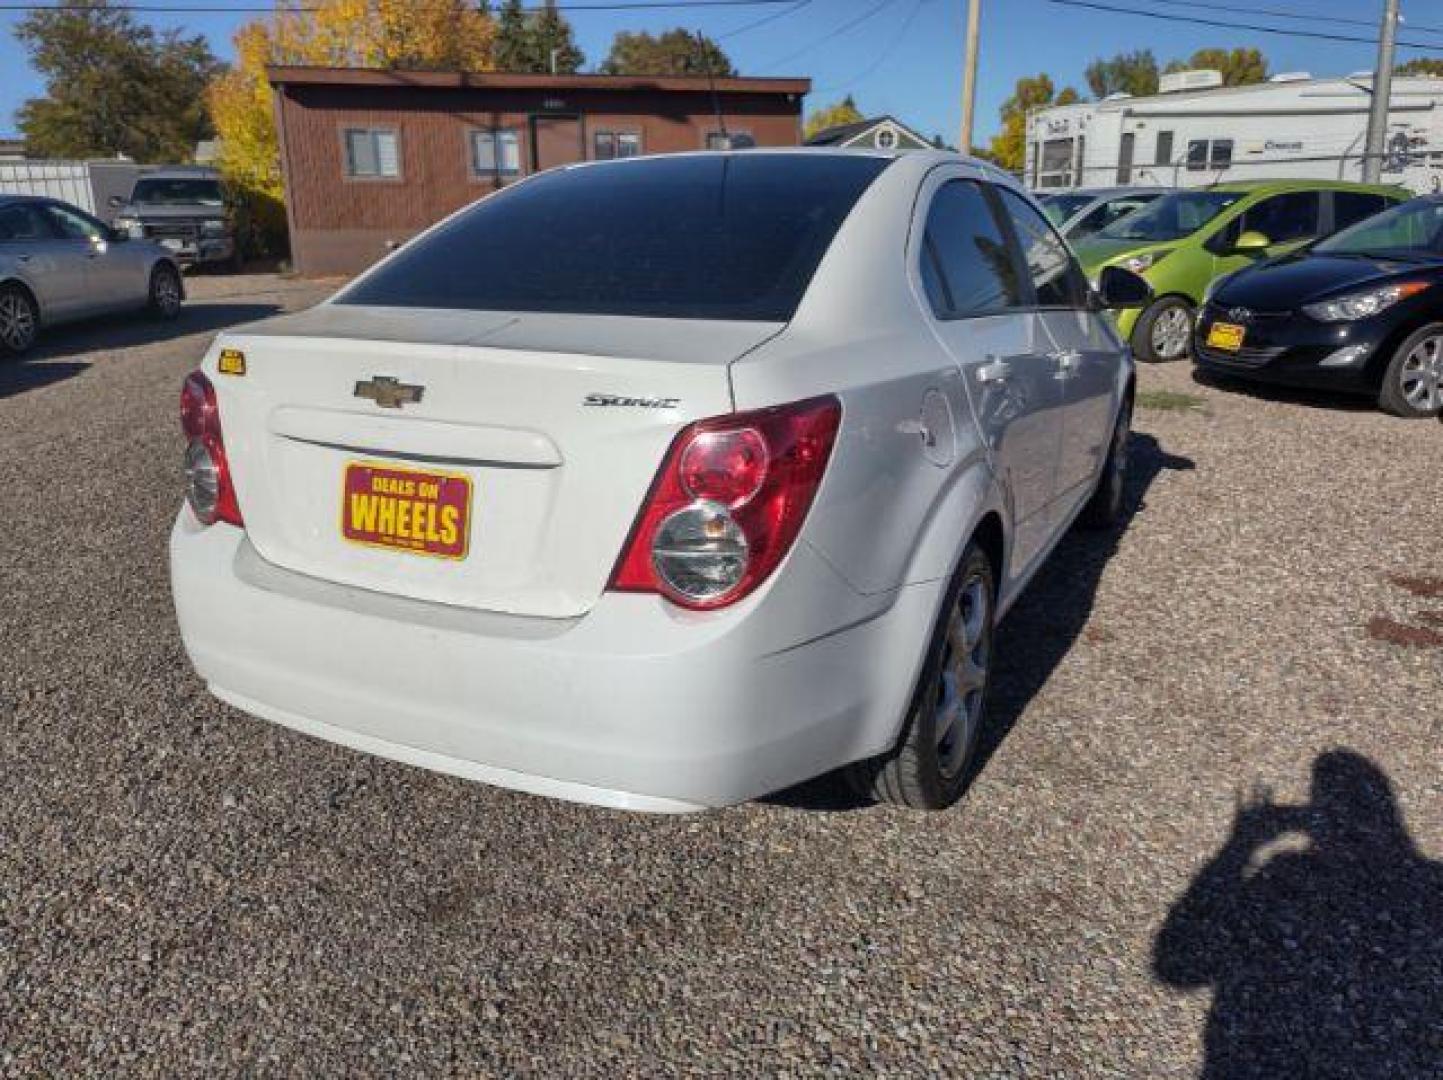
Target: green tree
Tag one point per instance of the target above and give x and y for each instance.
(1421, 65)
(829, 116)
(113, 86)
(1239, 67)
(539, 42)
(1132, 73)
(1009, 146)
(675, 52)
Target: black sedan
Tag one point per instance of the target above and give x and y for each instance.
(1361, 311)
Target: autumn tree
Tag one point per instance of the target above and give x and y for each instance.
(1422, 65)
(830, 116)
(113, 86)
(1132, 73)
(535, 41)
(404, 34)
(1239, 67)
(1009, 146)
(675, 52)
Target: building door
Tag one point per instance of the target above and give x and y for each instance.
(556, 140)
(1124, 158)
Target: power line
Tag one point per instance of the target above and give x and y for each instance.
(882, 57)
(838, 32)
(797, 5)
(1276, 13)
(1196, 21)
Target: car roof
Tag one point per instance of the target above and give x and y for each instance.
(1295, 185)
(181, 172)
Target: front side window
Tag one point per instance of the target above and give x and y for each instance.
(1284, 218)
(1056, 278)
(23, 222)
(371, 152)
(73, 225)
(739, 239)
(495, 153)
(974, 272)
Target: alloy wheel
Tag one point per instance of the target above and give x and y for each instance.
(167, 292)
(1170, 332)
(1421, 376)
(17, 321)
(965, 666)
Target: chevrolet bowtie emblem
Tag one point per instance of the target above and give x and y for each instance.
(389, 393)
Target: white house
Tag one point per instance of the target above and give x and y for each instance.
(1197, 132)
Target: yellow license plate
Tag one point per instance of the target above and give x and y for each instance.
(1226, 336)
(411, 510)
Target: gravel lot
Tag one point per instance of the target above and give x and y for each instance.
(186, 890)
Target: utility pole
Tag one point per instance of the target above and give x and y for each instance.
(1382, 93)
(969, 74)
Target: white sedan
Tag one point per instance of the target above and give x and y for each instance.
(662, 483)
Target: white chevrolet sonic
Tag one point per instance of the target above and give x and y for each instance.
(662, 483)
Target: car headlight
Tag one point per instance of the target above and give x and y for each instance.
(213, 230)
(1138, 263)
(1362, 305)
(130, 226)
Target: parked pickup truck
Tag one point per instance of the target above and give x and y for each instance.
(183, 210)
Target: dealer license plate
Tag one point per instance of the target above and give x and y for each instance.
(1226, 336)
(410, 510)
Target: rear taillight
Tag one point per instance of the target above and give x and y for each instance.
(208, 487)
(727, 504)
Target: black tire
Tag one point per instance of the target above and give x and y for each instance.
(166, 291)
(1413, 380)
(1104, 509)
(925, 770)
(1162, 310)
(19, 320)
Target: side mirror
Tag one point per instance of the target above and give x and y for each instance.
(116, 201)
(1118, 288)
(1251, 241)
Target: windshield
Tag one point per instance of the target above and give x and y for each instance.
(1171, 217)
(1059, 208)
(177, 191)
(1407, 231)
(717, 236)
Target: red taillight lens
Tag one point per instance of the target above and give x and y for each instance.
(208, 487)
(727, 503)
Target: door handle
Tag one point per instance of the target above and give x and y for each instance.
(994, 372)
(22, 258)
(1068, 361)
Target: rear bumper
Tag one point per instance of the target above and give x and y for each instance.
(636, 705)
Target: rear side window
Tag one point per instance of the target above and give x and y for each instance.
(1351, 207)
(1056, 277)
(691, 237)
(967, 267)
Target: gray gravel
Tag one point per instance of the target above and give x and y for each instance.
(186, 890)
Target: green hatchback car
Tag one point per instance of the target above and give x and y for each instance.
(1183, 242)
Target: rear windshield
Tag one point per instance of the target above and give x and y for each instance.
(1059, 208)
(726, 236)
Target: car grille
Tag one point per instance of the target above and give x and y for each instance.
(1244, 357)
(172, 230)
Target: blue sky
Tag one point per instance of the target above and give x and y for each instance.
(904, 56)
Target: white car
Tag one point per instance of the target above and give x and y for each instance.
(662, 483)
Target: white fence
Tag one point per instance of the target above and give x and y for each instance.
(86, 184)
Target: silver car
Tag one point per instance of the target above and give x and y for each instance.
(1078, 214)
(57, 263)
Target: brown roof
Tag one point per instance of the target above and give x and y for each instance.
(446, 80)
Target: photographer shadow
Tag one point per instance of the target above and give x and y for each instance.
(1319, 929)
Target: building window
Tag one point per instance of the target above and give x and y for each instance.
(495, 153)
(607, 145)
(886, 139)
(1164, 148)
(371, 152)
(1203, 155)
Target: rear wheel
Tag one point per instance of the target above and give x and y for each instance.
(1413, 382)
(19, 319)
(165, 291)
(1163, 331)
(1104, 509)
(929, 767)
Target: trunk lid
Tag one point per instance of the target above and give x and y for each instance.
(558, 422)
